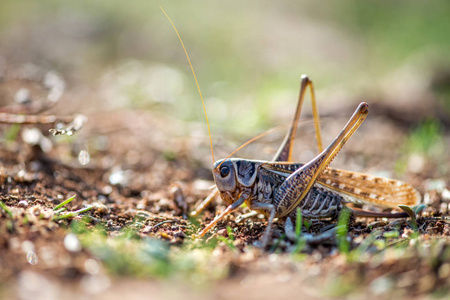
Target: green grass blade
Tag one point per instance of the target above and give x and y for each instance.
(6, 208)
(230, 233)
(342, 229)
(298, 223)
(57, 212)
(277, 243)
(227, 242)
(64, 202)
(73, 213)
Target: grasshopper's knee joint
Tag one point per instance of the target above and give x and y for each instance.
(305, 81)
(304, 77)
(363, 107)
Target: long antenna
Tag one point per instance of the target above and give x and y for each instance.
(252, 140)
(196, 82)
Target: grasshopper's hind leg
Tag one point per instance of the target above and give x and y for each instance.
(284, 153)
(294, 189)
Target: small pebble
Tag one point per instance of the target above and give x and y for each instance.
(100, 208)
(397, 223)
(376, 224)
(107, 189)
(446, 195)
(72, 243)
(27, 246)
(32, 258)
(147, 229)
(179, 234)
(91, 266)
(21, 173)
(222, 232)
(84, 157)
(23, 203)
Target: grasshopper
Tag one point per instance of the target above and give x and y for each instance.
(279, 187)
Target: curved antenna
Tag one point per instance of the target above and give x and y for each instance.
(196, 82)
(252, 140)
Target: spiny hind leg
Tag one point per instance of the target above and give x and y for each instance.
(284, 153)
(295, 188)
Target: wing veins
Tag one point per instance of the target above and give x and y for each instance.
(357, 187)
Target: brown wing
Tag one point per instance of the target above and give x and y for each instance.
(364, 188)
(358, 187)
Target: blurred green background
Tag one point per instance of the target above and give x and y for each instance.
(248, 56)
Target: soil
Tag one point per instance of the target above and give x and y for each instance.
(130, 165)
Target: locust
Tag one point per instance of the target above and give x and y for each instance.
(280, 188)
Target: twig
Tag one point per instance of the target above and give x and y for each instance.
(162, 223)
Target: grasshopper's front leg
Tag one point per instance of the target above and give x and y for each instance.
(228, 210)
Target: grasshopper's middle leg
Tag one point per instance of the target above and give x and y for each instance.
(284, 153)
(270, 208)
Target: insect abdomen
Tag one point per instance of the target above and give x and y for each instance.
(319, 203)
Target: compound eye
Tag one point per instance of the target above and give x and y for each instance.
(224, 171)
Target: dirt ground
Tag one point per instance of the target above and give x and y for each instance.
(140, 177)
